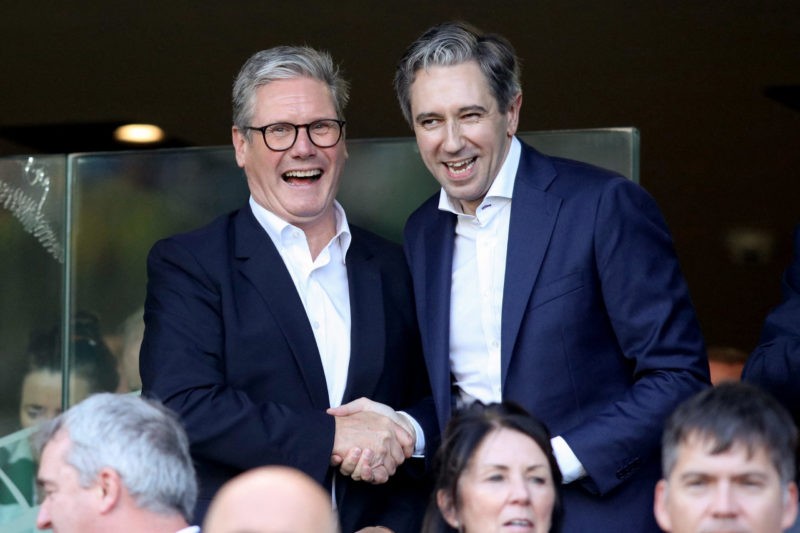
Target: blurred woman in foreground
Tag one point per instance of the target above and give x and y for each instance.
(495, 472)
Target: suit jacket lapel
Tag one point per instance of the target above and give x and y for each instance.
(434, 311)
(367, 323)
(533, 216)
(261, 264)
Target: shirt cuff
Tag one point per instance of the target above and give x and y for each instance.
(571, 468)
(419, 442)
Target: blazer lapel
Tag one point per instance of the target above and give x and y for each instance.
(533, 216)
(367, 323)
(434, 310)
(261, 264)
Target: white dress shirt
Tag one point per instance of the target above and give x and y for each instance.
(322, 286)
(323, 289)
(476, 299)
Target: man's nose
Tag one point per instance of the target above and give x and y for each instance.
(43, 518)
(453, 141)
(302, 145)
(724, 501)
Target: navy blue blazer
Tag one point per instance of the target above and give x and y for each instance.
(775, 363)
(229, 347)
(599, 337)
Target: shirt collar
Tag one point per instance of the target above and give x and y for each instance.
(277, 228)
(502, 186)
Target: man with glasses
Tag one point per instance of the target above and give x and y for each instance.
(264, 319)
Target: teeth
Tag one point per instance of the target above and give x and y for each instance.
(303, 173)
(461, 167)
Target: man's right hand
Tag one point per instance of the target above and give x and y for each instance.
(372, 442)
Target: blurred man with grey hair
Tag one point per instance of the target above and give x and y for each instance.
(115, 463)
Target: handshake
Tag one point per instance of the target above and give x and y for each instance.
(371, 440)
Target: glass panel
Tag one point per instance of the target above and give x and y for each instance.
(384, 180)
(121, 204)
(32, 237)
(616, 149)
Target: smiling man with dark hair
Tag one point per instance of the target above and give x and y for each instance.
(543, 281)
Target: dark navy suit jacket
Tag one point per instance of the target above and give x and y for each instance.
(775, 363)
(229, 347)
(599, 337)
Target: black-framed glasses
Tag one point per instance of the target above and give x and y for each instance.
(281, 136)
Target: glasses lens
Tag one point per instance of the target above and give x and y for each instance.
(324, 133)
(280, 136)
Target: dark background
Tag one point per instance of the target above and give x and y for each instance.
(718, 153)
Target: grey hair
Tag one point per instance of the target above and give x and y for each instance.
(282, 63)
(733, 414)
(140, 439)
(454, 43)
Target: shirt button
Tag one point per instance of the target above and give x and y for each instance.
(315, 325)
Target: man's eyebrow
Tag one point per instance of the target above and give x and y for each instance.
(695, 473)
(423, 116)
(472, 108)
(755, 472)
(461, 110)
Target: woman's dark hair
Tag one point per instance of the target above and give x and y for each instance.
(91, 358)
(464, 434)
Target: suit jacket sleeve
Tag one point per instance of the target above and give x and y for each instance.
(653, 322)
(186, 363)
(775, 363)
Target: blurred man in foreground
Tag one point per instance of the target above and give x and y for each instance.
(729, 464)
(115, 463)
(271, 499)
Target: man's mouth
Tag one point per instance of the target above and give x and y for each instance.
(460, 168)
(301, 176)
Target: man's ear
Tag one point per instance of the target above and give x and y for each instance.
(109, 483)
(513, 114)
(660, 505)
(240, 144)
(789, 506)
(447, 507)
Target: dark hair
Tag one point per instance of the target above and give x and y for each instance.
(464, 434)
(91, 358)
(733, 413)
(454, 43)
